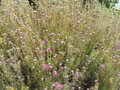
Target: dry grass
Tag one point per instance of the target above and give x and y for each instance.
(82, 45)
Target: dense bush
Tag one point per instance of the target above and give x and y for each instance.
(59, 46)
(107, 3)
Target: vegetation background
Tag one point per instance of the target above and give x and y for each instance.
(59, 45)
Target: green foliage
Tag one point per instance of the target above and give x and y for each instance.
(62, 43)
(107, 3)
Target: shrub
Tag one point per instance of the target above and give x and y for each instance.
(61, 45)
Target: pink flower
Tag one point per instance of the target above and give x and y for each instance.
(54, 56)
(51, 67)
(51, 34)
(96, 81)
(58, 34)
(58, 85)
(8, 39)
(41, 52)
(83, 41)
(61, 68)
(49, 49)
(42, 41)
(118, 74)
(47, 67)
(102, 65)
(114, 60)
(77, 75)
(55, 73)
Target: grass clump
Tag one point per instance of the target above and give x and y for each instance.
(61, 45)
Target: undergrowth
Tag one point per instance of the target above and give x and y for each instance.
(61, 45)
